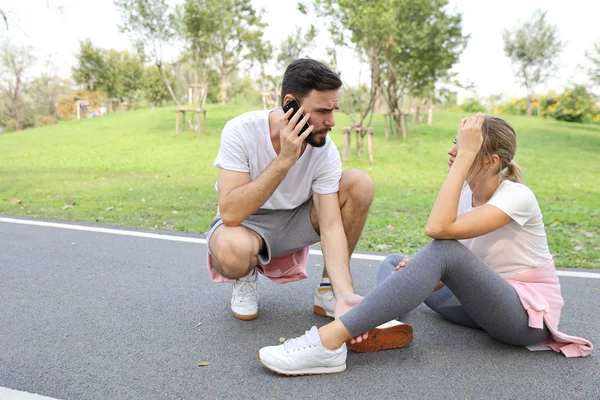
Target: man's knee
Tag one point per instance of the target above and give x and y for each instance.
(358, 185)
(232, 252)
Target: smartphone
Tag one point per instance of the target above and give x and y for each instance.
(296, 106)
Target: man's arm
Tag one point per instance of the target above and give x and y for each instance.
(334, 243)
(239, 196)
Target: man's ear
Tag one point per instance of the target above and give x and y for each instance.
(287, 98)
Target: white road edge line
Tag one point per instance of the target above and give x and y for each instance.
(173, 238)
(11, 394)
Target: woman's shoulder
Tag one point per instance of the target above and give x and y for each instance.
(515, 188)
(515, 193)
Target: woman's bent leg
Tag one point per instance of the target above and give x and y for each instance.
(445, 303)
(441, 301)
(486, 297)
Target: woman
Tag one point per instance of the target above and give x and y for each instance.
(499, 277)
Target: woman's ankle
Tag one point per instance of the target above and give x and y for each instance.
(333, 335)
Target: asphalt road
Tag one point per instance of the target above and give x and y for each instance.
(102, 315)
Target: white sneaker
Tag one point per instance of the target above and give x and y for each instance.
(391, 335)
(324, 302)
(304, 355)
(244, 300)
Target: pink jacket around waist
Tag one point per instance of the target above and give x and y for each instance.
(539, 291)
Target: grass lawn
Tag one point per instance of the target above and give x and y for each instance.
(131, 169)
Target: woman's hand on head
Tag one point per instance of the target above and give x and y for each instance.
(470, 134)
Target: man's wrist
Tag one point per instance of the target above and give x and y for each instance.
(284, 162)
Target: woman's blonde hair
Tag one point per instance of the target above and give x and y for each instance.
(499, 138)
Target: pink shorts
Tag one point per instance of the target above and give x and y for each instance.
(284, 269)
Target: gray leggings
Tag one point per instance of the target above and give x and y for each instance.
(474, 295)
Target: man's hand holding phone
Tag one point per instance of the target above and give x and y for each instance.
(290, 135)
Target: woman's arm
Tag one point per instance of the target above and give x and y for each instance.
(443, 222)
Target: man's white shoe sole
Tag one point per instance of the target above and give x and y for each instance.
(306, 371)
(244, 317)
(322, 312)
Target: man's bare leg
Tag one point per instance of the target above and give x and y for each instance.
(356, 195)
(234, 250)
(234, 254)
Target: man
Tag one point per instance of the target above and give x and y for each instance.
(279, 192)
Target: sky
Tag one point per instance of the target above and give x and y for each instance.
(53, 28)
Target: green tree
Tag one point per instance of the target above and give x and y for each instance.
(409, 44)
(124, 74)
(365, 27)
(150, 24)
(238, 37)
(14, 62)
(425, 43)
(91, 69)
(294, 44)
(232, 38)
(154, 88)
(197, 26)
(117, 73)
(246, 91)
(533, 49)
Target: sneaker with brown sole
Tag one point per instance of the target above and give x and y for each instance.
(391, 335)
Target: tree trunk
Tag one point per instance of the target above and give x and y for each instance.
(167, 84)
(170, 89)
(17, 110)
(204, 87)
(17, 114)
(401, 125)
(375, 89)
(224, 81)
(528, 106)
(430, 115)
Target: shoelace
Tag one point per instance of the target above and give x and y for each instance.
(297, 343)
(246, 290)
(329, 296)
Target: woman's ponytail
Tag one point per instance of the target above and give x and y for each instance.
(513, 173)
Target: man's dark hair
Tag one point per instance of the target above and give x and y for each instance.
(304, 75)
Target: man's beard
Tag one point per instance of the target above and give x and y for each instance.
(316, 141)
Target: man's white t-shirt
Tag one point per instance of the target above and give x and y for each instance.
(246, 147)
(517, 246)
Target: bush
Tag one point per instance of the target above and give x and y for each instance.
(473, 105)
(574, 105)
(43, 120)
(154, 88)
(10, 124)
(244, 91)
